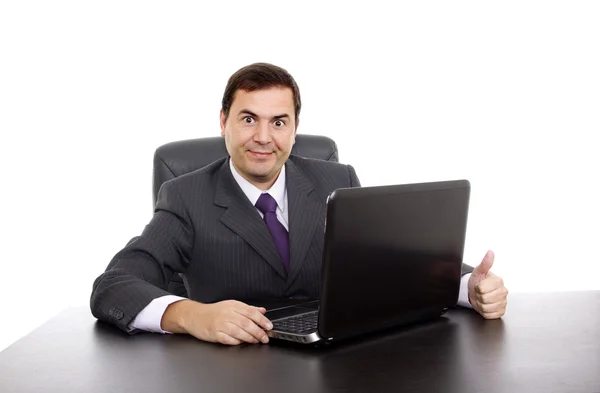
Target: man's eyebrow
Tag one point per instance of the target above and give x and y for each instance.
(249, 112)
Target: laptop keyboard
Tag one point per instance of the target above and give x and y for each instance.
(302, 323)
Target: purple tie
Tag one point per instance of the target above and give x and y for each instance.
(268, 206)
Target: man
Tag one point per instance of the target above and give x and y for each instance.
(249, 226)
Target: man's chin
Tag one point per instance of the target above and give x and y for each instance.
(260, 175)
(259, 171)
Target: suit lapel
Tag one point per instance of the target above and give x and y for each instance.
(242, 218)
(303, 216)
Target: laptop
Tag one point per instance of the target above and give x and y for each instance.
(392, 256)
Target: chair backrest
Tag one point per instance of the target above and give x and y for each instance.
(177, 158)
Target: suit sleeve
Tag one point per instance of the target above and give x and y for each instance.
(466, 269)
(141, 271)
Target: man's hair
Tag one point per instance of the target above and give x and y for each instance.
(259, 76)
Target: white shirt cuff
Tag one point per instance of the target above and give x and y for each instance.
(150, 317)
(463, 294)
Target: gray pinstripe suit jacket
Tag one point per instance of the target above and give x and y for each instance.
(205, 227)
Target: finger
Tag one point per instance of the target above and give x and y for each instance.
(256, 316)
(489, 284)
(239, 333)
(492, 308)
(492, 297)
(250, 329)
(260, 309)
(225, 338)
(494, 315)
(486, 264)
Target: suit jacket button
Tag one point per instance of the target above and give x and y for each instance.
(115, 313)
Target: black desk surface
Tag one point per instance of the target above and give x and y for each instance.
(545, 343)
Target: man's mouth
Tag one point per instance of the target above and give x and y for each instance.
(261, 153)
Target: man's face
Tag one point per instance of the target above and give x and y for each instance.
(259, 133)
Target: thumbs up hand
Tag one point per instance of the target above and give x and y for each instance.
(487, 293)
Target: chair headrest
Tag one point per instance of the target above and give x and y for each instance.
(178, 158)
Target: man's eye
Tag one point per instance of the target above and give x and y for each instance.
(279, 123)
(249, 119)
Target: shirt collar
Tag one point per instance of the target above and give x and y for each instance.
(277, 190)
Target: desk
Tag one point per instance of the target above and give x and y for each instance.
(545, 343)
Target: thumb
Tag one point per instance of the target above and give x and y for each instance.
(486, 264)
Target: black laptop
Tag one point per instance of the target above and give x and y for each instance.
(392, 256)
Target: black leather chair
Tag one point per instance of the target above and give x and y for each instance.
(177, 158)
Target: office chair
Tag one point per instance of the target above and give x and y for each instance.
(177, 158)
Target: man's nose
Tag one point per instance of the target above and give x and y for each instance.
(262, 134)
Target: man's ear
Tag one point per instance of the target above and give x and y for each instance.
(223, 120)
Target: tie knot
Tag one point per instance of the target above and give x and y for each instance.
(266, 203)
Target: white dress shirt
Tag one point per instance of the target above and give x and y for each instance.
(150, 317)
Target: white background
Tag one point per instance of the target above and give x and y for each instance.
(506, 95)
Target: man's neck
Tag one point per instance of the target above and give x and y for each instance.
(262, 185)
